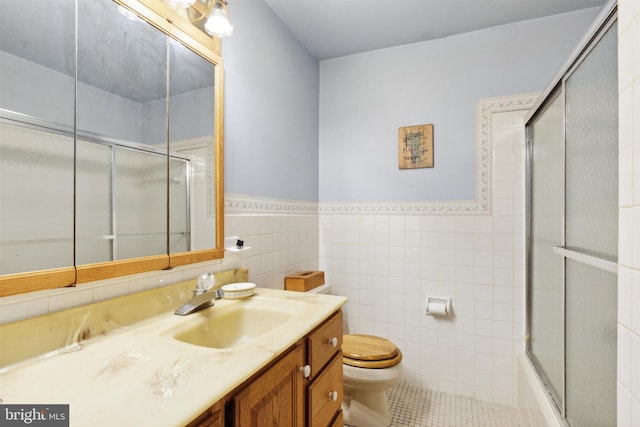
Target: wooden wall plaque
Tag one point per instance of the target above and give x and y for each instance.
(415, 147)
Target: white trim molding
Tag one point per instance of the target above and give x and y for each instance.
(482, 205)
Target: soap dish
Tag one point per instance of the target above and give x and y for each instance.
(238, 290)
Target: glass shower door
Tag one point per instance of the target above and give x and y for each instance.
(573, 236)
(546, 270)
(592, 235)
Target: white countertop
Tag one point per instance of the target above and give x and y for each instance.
(140, 375)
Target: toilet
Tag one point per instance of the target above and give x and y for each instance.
(370, 365)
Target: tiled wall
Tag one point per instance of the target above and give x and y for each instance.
(629, 219)
(387, 264)
(24, 306)
(280, 244)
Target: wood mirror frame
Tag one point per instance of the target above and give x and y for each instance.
(178, 26)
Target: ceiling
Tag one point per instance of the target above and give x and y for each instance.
(121, 61)
(332, 28)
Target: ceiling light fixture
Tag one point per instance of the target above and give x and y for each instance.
(180, 3)
(212, 13)
(217, 23)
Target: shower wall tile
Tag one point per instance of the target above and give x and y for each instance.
(629, 218)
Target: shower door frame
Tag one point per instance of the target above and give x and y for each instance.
(605, 20)
(555, 93)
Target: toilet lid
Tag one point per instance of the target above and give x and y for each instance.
(368, 351)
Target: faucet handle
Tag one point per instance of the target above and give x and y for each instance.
(205, 282)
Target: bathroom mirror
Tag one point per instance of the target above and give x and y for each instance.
(110, 141)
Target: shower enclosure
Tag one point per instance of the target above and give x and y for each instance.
(572, 144)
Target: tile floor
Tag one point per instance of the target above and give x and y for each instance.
(416, 407)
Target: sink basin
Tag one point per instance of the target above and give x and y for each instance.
(236, 323)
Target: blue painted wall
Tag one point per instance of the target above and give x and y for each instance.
(299, 129)
(365, 98)
(271, 107)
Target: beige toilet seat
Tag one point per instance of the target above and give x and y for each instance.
(370, 352)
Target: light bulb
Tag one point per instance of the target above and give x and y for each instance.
(180, 3)
(217, 23)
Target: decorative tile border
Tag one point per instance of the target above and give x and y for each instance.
(205, 142)
(241, 203)
(235, 203)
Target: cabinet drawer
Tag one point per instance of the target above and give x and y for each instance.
(320, 348)
(324, 398)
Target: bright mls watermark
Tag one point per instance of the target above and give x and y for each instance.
(34, 415)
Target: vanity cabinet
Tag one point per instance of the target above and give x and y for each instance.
(301, 388)
(324, 355)
(275, 398)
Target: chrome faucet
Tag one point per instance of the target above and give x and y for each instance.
(203, 297)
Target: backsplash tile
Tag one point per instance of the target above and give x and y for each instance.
(23, 306)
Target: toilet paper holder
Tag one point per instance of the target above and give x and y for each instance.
(438, 306)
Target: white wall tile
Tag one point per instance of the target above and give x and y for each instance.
(634, 302)
(64, 298)
(631, 180)
(20, 307)
(624, 356)
(483, 224)
(111, 289)
(629, 216)
(635, 366)
(446, 223)
(635, 412)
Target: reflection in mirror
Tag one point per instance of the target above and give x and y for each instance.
(110, 142)
(36, 189)
(179, 206)
(122, 66)
(94, 242)
(191, 135)
(141, 203)
(36, 138)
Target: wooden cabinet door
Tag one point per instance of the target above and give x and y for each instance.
(325, 394)
(277, 397)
